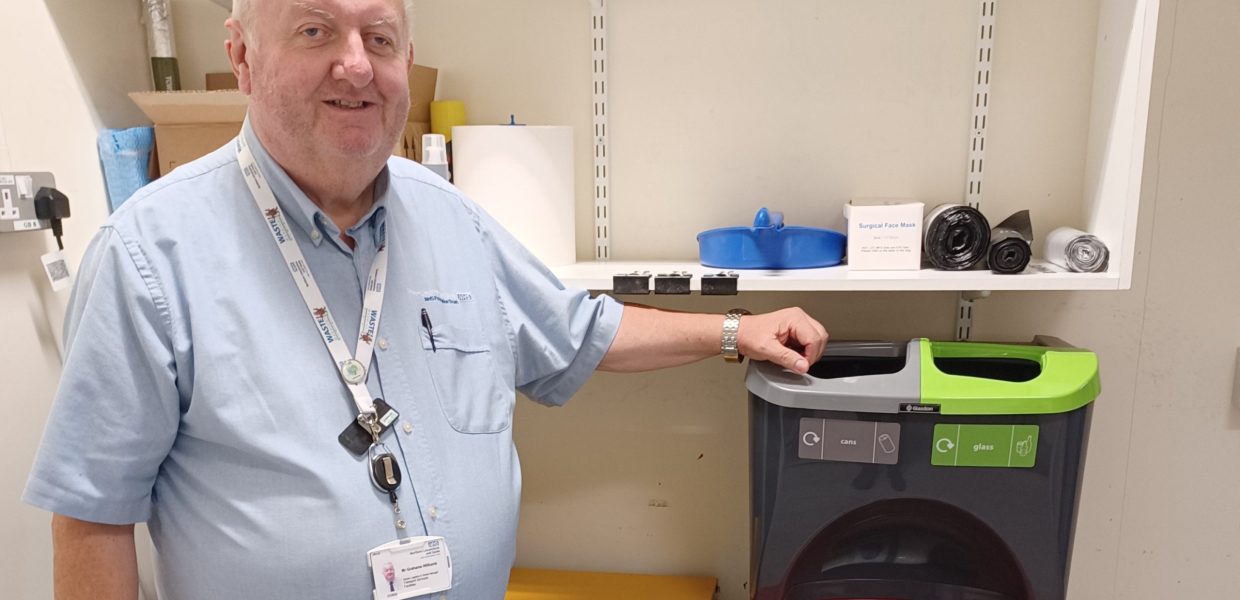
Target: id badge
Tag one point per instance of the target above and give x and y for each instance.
(410, 567)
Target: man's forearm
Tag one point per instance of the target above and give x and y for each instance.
(93, 561)
(650, 338)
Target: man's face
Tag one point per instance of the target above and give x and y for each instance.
(329, 77)
(389, 572)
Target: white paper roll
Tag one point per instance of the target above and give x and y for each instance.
(522, 176)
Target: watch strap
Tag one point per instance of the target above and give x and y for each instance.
(731, 326)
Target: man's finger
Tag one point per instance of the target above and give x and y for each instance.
(789, 359)
(814, 350)
(811, 335)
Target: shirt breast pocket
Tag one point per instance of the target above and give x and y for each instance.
(470, 390)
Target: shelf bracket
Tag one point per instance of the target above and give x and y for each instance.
(977, 147)
(981, 102)
(964, 313)
(602, 202)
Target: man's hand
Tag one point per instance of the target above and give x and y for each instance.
(788, 337)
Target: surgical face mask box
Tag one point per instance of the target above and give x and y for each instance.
(884, 234)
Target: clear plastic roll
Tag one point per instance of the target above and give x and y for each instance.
(161, 44)
(957, 237)
(1076, 251)
(159, 39)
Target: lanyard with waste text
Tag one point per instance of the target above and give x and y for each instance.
(352, 369)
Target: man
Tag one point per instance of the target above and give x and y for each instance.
(206, 384)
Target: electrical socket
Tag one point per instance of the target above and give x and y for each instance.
(8, 212)
(17, 192)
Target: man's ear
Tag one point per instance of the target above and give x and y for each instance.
(238, 54)
(410, 57)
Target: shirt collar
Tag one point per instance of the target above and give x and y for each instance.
(301, 210)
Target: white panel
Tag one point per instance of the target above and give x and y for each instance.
(49, 125)
(1181, 515)
(1123, 69)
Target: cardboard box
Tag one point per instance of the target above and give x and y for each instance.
(884, 234)
(422, 82)
(191, 124)
(221, 81)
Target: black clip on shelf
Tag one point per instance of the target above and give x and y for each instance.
(631, 283)
(676, 282)
(720, 284)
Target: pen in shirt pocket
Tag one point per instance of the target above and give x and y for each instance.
(430, 330)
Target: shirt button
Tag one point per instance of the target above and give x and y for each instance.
(407, 427)
(383, 344)
(434, 512)
(315, 235)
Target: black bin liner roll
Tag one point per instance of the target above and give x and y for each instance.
(1076, 251)
(957, 237)
(1011, 245)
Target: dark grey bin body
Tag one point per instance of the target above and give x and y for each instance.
(825, 530)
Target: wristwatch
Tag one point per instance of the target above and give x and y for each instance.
(731, 324)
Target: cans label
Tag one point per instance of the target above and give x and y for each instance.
(870, 442)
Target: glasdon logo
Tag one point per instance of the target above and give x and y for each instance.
(919, 408)
(320, 317)
(273, 221)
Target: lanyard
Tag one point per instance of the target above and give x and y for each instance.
(352, 369)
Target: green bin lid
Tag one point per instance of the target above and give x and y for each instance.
(1067, 380)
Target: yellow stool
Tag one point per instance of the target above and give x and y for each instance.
(545, 584)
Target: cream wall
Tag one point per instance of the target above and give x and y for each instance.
(648, 472)
(49, 112)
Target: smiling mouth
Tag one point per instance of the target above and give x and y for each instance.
(351, 105)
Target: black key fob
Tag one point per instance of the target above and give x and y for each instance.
(356, 439)
(385, 472)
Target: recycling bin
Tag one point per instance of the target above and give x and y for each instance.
(918, 471)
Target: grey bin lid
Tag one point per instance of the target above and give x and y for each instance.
(882, 393)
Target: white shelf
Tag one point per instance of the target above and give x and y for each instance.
(597, 276)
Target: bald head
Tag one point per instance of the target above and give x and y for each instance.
(243, 12)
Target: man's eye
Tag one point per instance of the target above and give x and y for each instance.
(312, 32)
(381, 41)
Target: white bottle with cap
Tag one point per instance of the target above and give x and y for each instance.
(435, 154)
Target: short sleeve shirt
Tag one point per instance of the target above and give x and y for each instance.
(198, 396)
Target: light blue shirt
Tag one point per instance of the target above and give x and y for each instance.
(197, 394)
